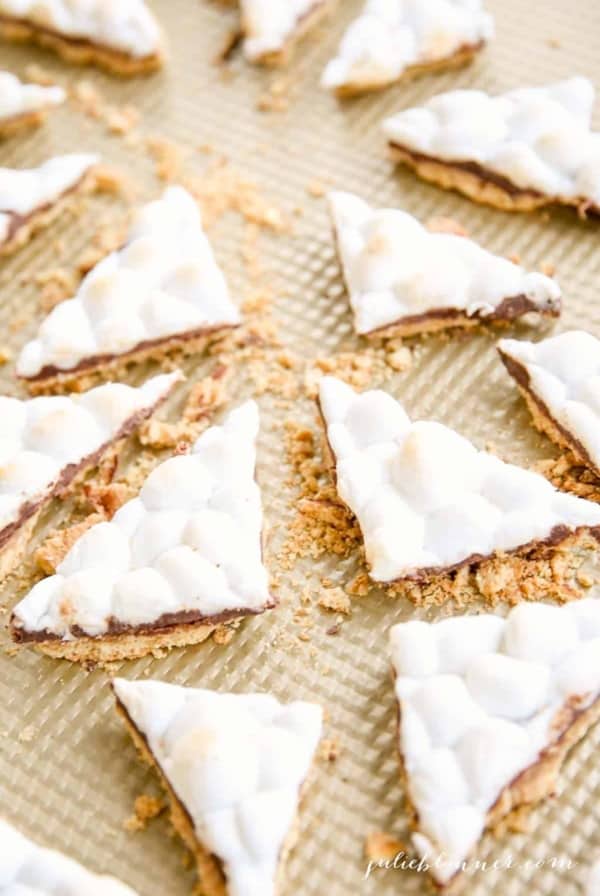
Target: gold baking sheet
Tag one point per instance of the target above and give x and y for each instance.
(68, 774)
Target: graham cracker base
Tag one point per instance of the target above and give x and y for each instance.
(461, 57)
(438, 324)
(113, 648)
(80, 52)
(40, 220)
(118, 367)
(276, 58)
(210, 870)
(534, 784)
(470, 184)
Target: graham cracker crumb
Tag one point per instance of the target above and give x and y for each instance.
(398, 357)
(26, 735)
(329, 749)
(119, 120)
(335, 600)
(316, 188)
(107, 239)
(55, 547)
(6, 355)
(168, 157)
(379, 845)
(109, 180)
(224, 188)
(321, 523)
(57, 285)
(107, 498)
(276, 98)
(205, 397)
(35, 74)
(567, 474)
(223, 634)
(145, 808)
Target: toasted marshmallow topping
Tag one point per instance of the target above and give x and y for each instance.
(42, 437)
(17, 98)
(391, 35)
(191, 541)
(539, 138)
(481, 698)
(125, 25)
(425, 498)
(24, 190)
(395, 268)
(564, 373)
(162, 283)
(27, 869)
(237, 763)
(269, 24)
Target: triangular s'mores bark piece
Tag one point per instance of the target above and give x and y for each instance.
(47, 442)
(121, 36)
(235, 767)
(27, 869)
(489, 708)
(24, 105)
(427, 501)
(272, 28)
(559, 378)
(402, 279)
(162, 291)
(395, 40)
(31, 198)
(526, 148)
(171, 565)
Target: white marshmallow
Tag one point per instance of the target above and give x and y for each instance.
(237, 763)
(425, 497)
(41, 437)
(389, 36)
(465, 736)
(27, 869)
(269, 24)
(539, 138)
(126, 25)
(394, 268)
(125, 300)
(158, 554)
(564, 374)
(17, 98)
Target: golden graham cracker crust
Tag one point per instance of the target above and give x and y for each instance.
(210, 870)
(509, 310)
(484, 187)
(79, 51)
(533, 785)
(462, 56)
